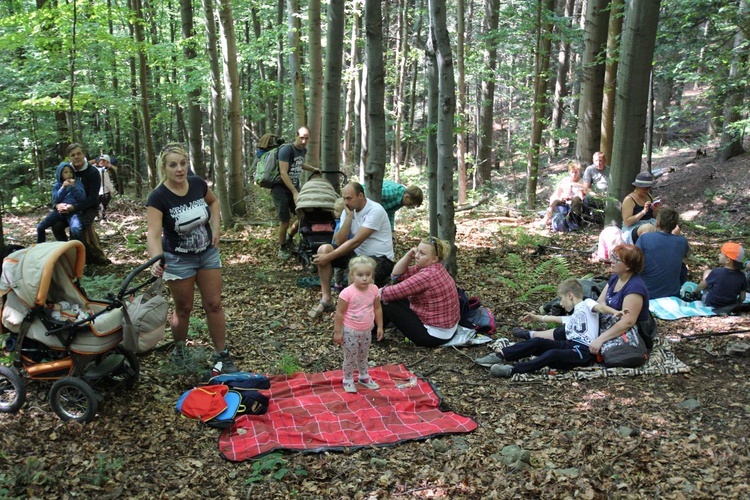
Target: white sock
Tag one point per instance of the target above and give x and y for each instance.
(532, 334)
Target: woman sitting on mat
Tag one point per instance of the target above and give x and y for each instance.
(423, 304)
(626, 291)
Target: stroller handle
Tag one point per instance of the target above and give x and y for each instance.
(338, 172)
(135, 272)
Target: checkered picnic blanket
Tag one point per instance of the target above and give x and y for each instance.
(311, 412)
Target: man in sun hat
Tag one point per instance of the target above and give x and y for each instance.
(726, 285)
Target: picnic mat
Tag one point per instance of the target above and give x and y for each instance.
(311, 412)
(661, 361)
(671, 308)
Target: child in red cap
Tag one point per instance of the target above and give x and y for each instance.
(726, 285)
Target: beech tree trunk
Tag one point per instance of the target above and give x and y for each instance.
(432, 119)
(234, 185)
(731, 136)
(445, 140)
(461, 104)
(217, 110)
(195, 117)
(545, 14)
(636, 57)
(295, 64)
(561, 81)
(332, 90)
(484, 157)
(317, 93)
(592, 80)
(610, 77)
(349, 150)
(143, 85)
(375, 99)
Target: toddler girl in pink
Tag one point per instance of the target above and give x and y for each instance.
(357, 310)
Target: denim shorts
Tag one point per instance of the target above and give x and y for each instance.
(283, 201)
(186, 265)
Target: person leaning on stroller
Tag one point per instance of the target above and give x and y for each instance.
(365, 230)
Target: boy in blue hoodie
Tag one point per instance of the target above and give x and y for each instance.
(65, 190)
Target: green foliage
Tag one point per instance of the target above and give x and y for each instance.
(273, 466)
(106, 468)
(528, 281)
(197, 327)
(287, 364)
(15, 480)
(98, 287)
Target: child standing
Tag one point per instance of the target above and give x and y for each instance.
(725, 285)
(65, 190)
(564, 347)
(357, 309)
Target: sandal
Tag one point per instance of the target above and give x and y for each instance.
(321, 308)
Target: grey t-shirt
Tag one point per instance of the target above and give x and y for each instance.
(597, 179)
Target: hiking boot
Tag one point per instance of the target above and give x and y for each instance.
(284, 254)
(504, 371)
(521, 333)
(223, 363)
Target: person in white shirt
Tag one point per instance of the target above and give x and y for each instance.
(365, 230)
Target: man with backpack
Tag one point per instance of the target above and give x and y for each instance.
(291, 159)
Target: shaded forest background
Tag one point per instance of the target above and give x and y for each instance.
(534, 82)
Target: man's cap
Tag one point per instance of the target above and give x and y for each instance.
(733, 251)
(104, 157)
(644, 180)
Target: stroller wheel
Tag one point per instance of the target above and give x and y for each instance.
(12, 390)
(73, 399)
(126, 375)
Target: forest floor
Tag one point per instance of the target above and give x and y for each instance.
(138, 447)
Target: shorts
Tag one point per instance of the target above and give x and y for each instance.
(283, 201)
(186, 265)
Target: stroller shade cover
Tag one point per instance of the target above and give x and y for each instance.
(46, 272)
(28, 272)
(317, 193)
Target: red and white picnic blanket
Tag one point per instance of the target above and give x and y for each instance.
(311, 412)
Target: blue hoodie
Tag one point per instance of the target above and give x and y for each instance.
(63, 194)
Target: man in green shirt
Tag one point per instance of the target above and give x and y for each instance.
(394, 196)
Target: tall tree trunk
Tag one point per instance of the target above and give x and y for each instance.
(137, 167)
(280, 73)
(195, 117)
(636, 56)
(364, 126)
(217, 111)
(295, 64)
(545, 13)
(592, 80)
(413, 89)
(731, 136)
(461, 103)
(445, 139)
(347, 153)
(316, 85)
(332, 89)
(236, 189)
(487, 120)
(143, 83)
(375, 99)
(610, 76)
(432, 123)
(561, 82)
(402, 53)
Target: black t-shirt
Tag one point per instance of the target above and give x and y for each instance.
(295, 157)
(185, 219)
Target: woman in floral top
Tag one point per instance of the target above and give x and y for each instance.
(423, 304)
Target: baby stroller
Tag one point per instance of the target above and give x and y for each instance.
(317, 222)
(81, 352)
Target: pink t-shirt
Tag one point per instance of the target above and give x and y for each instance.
(360, 314)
